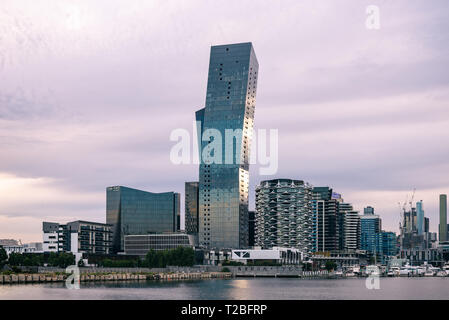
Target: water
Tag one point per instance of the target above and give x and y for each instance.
(236, 289)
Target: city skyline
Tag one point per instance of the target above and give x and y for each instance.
(90, 102)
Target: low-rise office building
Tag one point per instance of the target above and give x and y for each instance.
(77, 237)
(141, 244)
(286, 256)
(137, 212)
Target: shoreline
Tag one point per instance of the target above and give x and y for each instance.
(24, 278)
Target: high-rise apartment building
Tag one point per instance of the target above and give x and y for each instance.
(370, 225)
(191, 208)
(386, 244)
(420, 223)
(225, 128)
(326, 220)
(284, 214)
(350, 227)
(136, 212)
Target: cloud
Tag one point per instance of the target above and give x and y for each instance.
(89, 93)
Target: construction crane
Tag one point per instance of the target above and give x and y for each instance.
(402, 208)
(411, 200)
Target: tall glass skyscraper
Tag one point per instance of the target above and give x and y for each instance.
(420, 217)
(224, 165)
(136, 212)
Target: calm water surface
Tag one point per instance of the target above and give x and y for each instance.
(241, 288)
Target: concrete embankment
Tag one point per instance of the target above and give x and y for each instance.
(277, 272)
(85, 277)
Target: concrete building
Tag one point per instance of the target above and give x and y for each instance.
(9, 242)
(136, 212)
(350, 227)
(285, 256)
(77, 237)
(224, 166)
(35, 247)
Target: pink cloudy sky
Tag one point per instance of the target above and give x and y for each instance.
(90, 91)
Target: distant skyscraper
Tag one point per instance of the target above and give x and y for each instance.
(443, 217)
(136, 212)
(224, 176)
(368, 210)
(370, 225)
(420, 217)
(191, 207)
(284, 214)
(326, 220)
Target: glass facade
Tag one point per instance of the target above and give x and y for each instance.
(387, 243)
(370, 226)
(224, 165)
(191, 207)
(420, 217)
(326, 220)
(142, 244)
(137, 212)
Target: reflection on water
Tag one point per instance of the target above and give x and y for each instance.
(235, 289)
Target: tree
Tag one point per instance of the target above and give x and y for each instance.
(330, 265)
(181, 256)
(15, 259)
(3, 256)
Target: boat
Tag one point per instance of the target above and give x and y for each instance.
(429, 273)
(393, 272)
(372, 270)
(442, 273)
(356, 270)
(339, 273)
(420, 271)
(446, 267)
(405, 272)
(349, 274)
